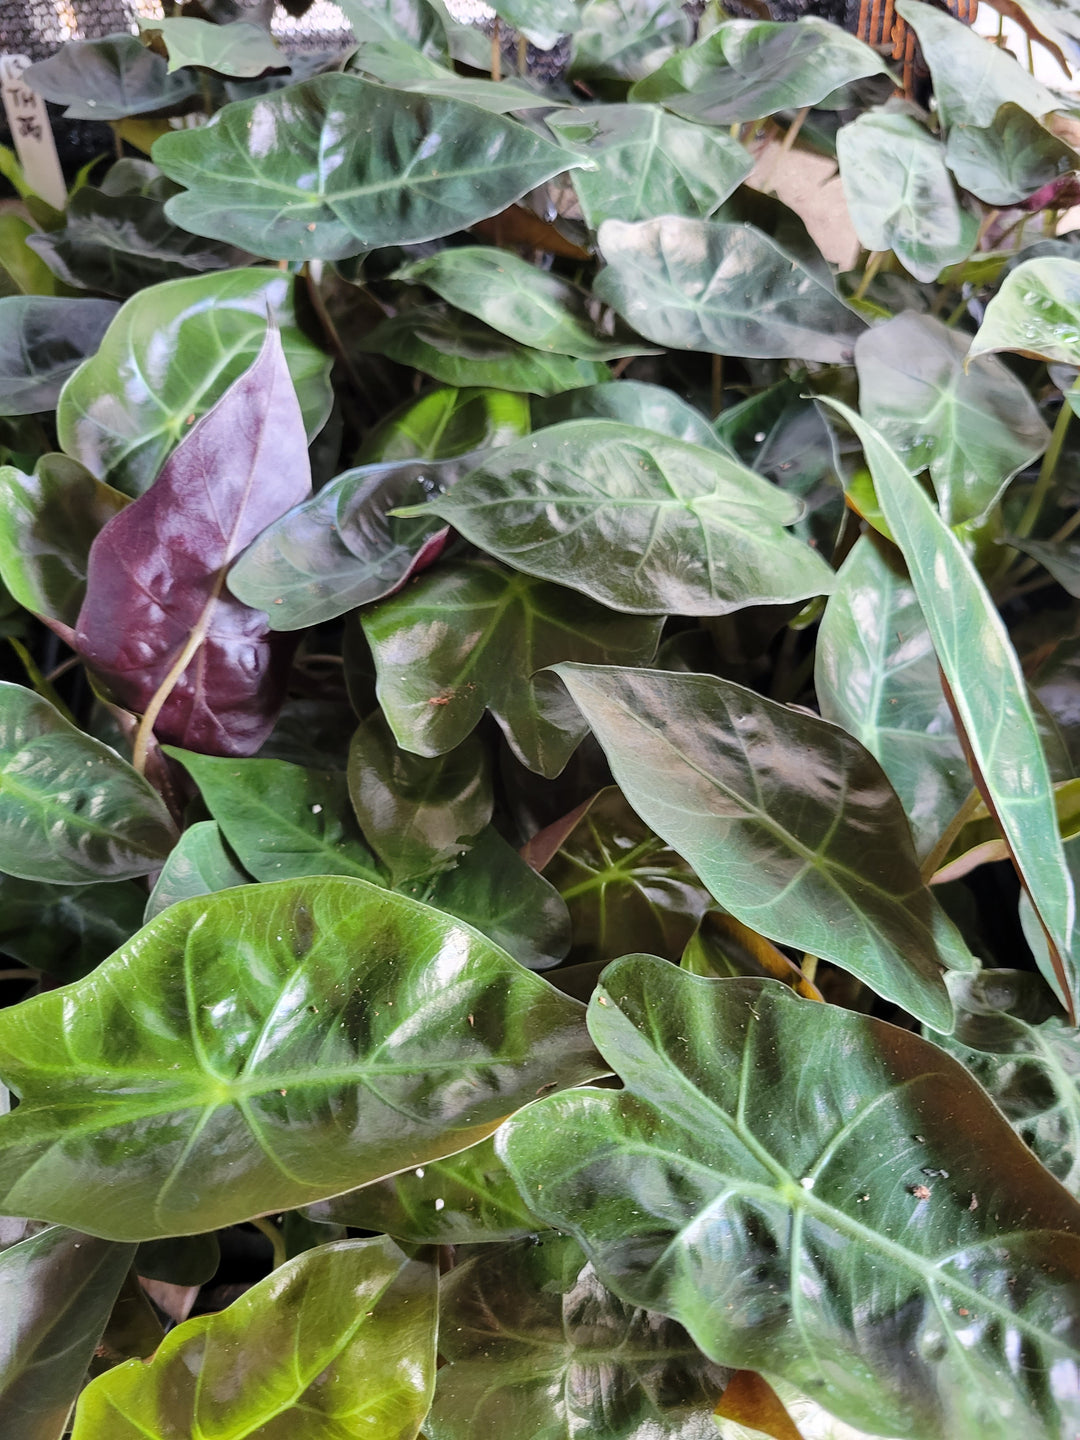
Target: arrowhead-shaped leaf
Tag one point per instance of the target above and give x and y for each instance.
(200, 864)
(109, 79)
(1037, 310)
(240, 49)
(631, 402)
(1009, 160)
(448, 422)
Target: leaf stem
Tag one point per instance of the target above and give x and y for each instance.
(932, 864)
(333, 338)
(145, 731)
(277, 1241)
(1046, 471)
(873, 265)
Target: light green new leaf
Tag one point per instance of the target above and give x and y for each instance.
(71, 810)
(1037, 310)
(531, 306)
(1009, 160)
(642, 523)
(989, 693)
(336, 165)
(283, 821)
(48, 521)
(471, 636)
(648, 162)
(464, 1200)
(200, 864)
(57, 1288)
(446, 423)
(971, 423)
(267, 1047)
(170, 354)
(627, 39)
(870, 1231)
(239, 49)
(43, 339)
(728, 289)
(747, 69)
(876, 675)
(900, 194)
(787, 819)
(22, 272)
(537, 1346)
(339, 1341)
(417, 812)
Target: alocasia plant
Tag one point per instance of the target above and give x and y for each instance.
(538, 718)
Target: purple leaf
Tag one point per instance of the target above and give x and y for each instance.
(156, 579)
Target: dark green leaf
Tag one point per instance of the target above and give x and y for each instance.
(172, 352)
(240, 49)
(462, 351)
(282, 820)
(48, 522)
(813, 852)
(900, 194)
(43, 339)
(339, 1341)
(417, 812)
(71, 811)
(627, 39)
(470, 637)
(397, 64)
(877, 676)
(414, 22)
(971, 423)
(1060, 557)
(200, 864)
(632, 402)
(747, 69)
(335, 165)
(539, 1347)
(180, 1260)
(724, 288)
(65, 930)
(352, 1000)
(624, 887)
(109, 79)
(1037, 309)
(1008, 160)
(637, 521)
(724, 948)
(448, 422)
(56, 1290)
(811, 1231)
(648, 161)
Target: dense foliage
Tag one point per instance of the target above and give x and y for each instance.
(537, 773)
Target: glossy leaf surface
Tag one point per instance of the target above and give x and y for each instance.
(816, 855)
(340, 1338)
(448, 422)
(401, 67)
(335, 165)
(631, 402)
(283, 821)
(726, 288)
(43, 339)
(108, 79)
(171, 353)
(626, 39)
(971, 423)
(155, 590)
(352, 999)
(641, 523)
(65, 930)
(538, 1346)
(413, 22)
(71, 810)
(793, 1230)
(470, 637)
(200, 864)
(1008, 160)
(1035, 310)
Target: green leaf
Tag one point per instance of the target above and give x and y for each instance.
(467, 1199)
(462, 351)
(1061, 558)
(815, 854)
(57, 1287)
(988, 691)
(1037, 310)
(534, 307)
(71, 811)
(43, 338)
(727, 289)
(65, 930)
(1008, 160)
(876, 675)
(647, 162)
(339, 1341)
(240, 49)
(352, 1000)
(200, 864)
(747, 69)
(633, 402)
(413, 22)
(723, 948)
(972, 79)
(417, 811)
(48, 522)
(538, 1346)
(810, 1231)
(626, 39)
(971, 423)
(900, 194)
(623, 885)
(109, 79)
(495, 890)
(397, 64)
(22, 272)
(637, 521)
(335, 165)
(172, 352)
(470, 636)
(446, 423)
(555, 18)
(282, 820)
